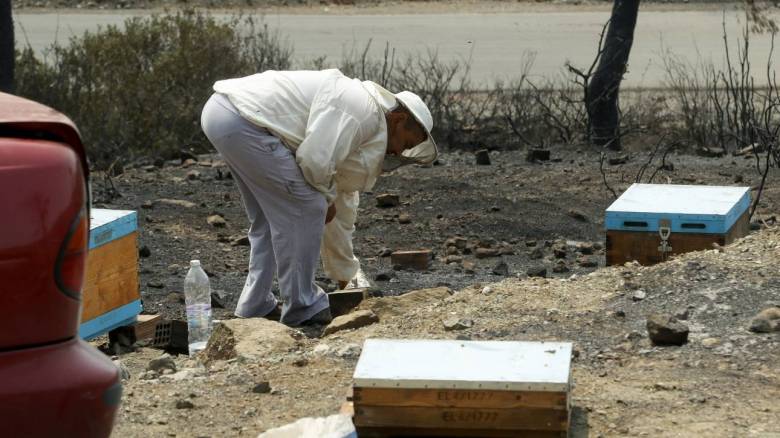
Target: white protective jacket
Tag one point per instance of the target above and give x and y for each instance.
(337, 128)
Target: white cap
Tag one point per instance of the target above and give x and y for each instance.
(194, 262)
(425, 152)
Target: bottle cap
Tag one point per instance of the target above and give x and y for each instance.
(194, 262)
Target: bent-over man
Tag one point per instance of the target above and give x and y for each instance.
(301, 145)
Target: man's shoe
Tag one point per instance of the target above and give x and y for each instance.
(275, 314)
(323, 317)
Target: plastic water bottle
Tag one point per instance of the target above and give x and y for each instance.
(197, 295)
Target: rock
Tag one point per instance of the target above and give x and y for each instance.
(487, 290)
(711, 152)
(710, 342)
(457, 324)
(193, 175)
(216, 221)
(144, 252)
(164, 362)
(537, 271)
(639, 295)
(468, 266)
(124, 372)
(349, 351)
(559, 250)
(334, 426)
(621, 159)
(536, 253)
(352, 320)
(322, 349)
(766, 321)
(189, 162)
(240, 241)
(483, 253)
(534, 155)
(184, 404)
(176, 203)
(251, 338)
(482, 157)
(155, 284)
(263, 387)
(453, 259)
(384, 276)
(578, 215)
(683, 313)
(387, 307)
(460, 242)
(175, 298)
(501, 268)
(385, 252)
(587, 262)
(387, 200)
(404, 218)
(666, 330)
(560, 267)
(451, 250)
(586, 248)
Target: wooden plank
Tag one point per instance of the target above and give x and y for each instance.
(626, 246)
(111, 278)
(390, 432)
(486, 399)
(462, 418)
(418, 259)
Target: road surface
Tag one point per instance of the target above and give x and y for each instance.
(495, 43)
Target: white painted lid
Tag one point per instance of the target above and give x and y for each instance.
(678, 199)
(101, 216)
(445, 364)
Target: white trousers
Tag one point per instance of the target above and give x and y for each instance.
(286, 215)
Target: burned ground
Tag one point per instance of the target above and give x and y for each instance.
(723, 382)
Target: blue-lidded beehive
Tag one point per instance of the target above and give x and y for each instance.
(650, 222)
(111, 296)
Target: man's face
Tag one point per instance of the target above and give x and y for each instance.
(403, 132)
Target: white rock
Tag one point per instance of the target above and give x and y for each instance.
(322, 349)
(487, 290)
(335, 426)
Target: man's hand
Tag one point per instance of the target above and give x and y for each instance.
(331, 213)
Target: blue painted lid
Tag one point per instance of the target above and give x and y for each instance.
(689, 209)
(108, 225)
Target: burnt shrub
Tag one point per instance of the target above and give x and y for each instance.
(138, 90)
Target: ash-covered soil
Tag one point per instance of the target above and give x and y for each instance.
(724, 382)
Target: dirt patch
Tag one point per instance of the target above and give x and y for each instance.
(723, 382)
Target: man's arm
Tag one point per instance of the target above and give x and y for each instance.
(338, 258)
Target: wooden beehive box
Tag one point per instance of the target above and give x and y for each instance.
(110, 297)
(462, 388)
(691, 217)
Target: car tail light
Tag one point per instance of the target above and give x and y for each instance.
(72, 258)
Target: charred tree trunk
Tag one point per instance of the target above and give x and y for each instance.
(6, 47)
(604, 87)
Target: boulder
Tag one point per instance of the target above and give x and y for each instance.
(402, 304)
(666, 330)
(250, 338)
(766, 321)
(352, 320)
(387, 200)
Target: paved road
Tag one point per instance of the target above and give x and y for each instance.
(495, 42)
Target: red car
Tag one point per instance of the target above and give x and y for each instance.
(51, 382)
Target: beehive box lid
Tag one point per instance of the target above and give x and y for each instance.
(691, 209)
(445, 364)
(107, 225)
